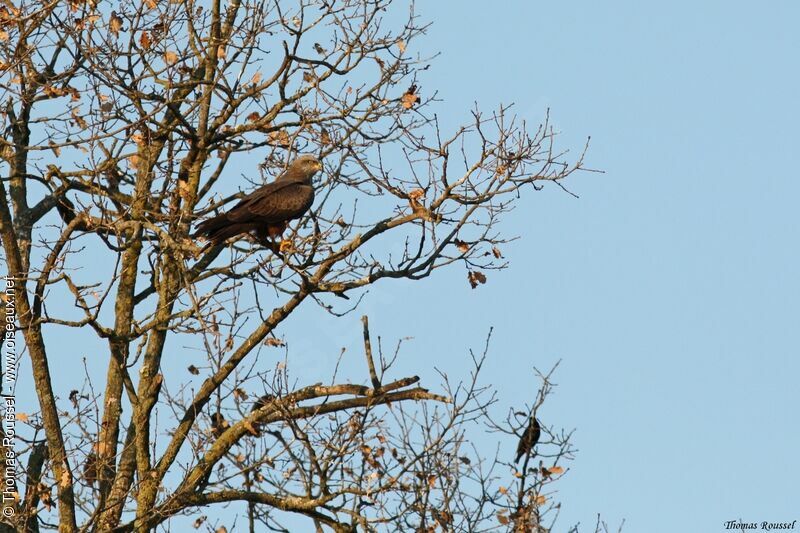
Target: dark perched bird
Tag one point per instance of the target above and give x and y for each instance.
(255, 428)
(267, 210)
(529, 438)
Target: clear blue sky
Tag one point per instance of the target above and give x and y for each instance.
(669, 289)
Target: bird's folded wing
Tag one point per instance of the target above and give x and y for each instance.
(278, 201)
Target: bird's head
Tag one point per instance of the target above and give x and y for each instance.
(304, 167)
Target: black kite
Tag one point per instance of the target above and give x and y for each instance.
(267, 210)
(529, 438)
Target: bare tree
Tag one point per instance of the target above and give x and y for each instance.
(125, 123)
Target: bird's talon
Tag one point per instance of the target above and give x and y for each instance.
(285, 246)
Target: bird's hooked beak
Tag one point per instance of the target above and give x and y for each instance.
(317, 177)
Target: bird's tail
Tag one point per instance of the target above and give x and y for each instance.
(215, 229)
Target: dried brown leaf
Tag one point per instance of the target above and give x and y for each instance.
(76, 116)
(410, 97)
(239, 394)
(54, 92)
(324, 136)
(552, 471)
(170, 57)
(462, 246)
(273, 341)
(280, 138)
(408, 100)
(476, 278)
(115, 24)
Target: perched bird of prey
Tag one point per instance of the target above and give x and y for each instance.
(529, 438)
(267, 210)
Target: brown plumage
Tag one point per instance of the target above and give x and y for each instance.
(529, 438)
(268, 209)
